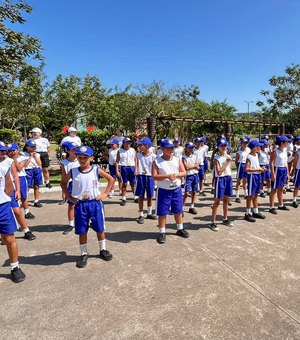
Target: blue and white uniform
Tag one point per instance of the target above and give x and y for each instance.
(206, 158)
(192, 177)
(23, 177)
(68, 165)
(7, 162)
(85, 188)
(112, 158)
(7, 221)
(264, 161)
(33, 172)
(223, 185)
(297, 172)
(178, 151)
(127, 165)
(253, 178)
(280, 169)
(169, 194)
(200, 154)
(145, 182)
(241, 173)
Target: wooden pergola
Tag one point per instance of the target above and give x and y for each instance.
(152, 124)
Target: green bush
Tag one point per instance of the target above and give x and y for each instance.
(10, 136)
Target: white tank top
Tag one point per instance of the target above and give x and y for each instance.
(190, 160)
(85, 184)
(254, 163)
(20, 160)
(3, 197)
(200, 154)
(112, 156)
(178, 152)
(243, 155)
(281, 158)
(290, 149)
(263, 158)
(145, 163)
(68, 165)
(168, 167)
(6, 163)
(298, 163)
(222, 161)
(127, 157)
(33, 164)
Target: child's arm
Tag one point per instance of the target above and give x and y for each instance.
(16, 180)
(295, 160)
(9, 188)
(64, 185)
(136, 162)
(272, 162)
(110, 184)
(189, 166)
(218, 168)
(236, 161)
(117, 165)
(19, 165)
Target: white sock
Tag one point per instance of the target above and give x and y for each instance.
(83, 249)
(295, 199)
(162, 230)
(141, 213)
(149, 210)
(26, 230)
(192, 205)
(272, 207)
(26, 211)
(237, 194)
(136, 197)
(35, 201)
(179, 226)
(47, 181)
(255, 210)
(14, 265)
(71, 223)
(112, 192)
(102, 244)
(246, 192)
(248, 211)
(124, 198)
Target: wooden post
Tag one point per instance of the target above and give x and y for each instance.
(151, 129)
(228, 131)
(281, 129)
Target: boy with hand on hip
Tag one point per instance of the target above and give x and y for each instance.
(88, 202)
(168, 170)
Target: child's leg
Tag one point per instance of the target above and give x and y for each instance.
(272, 197)
(255, 202)
(21, 219)
(225, 207)
(83, 243)
(280, 196)
(162, 221)
(71, 214)
(193, 199)
(36, 193)
(101, 240)
(245, 187)
(132, 187)
(12, 247)
(141, 205)
(248, 204)
(237, 188)
(185, 195)
(295, 194)
(149, 206)
(215, 210)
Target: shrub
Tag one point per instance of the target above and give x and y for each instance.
(10, 136)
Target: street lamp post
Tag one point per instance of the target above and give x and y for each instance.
(248, 105)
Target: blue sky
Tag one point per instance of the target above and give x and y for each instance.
(229, 48)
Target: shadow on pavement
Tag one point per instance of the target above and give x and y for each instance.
(128, 236)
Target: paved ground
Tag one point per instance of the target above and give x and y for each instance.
(238, 283)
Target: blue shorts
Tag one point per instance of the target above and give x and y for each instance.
(191, 183)
(267, 174)
(281, 178)
(14, 203)
(127, 174)
(253, 184)
(34, 177)
(297, 178)
(86, 211)
(70, 186)
(223, 187)
(23, 187)
(112, 171)
(166, 199)
(7, 220)
(241, 173)
(144, 184)
(206, 164)
(201, 173)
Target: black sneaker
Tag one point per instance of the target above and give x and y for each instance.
(229, 203)
(105, 255)
(273, 211)
(161, 238)
(213, 226)
(49, 185)
(68, 230)
(228, 223)
(259, 215)
(29, 236)
(249, 218)
(37, 204)
(182, 233)
(262, 194)
(29, 216)
(62, 202)
(212, 191)
(2, 243)
(193, 211)
(202, 193)
(289, 190)
(295, 204)
(17, 275)
(151, 217)
(82, 262)
(123, 203)
(140, 220)
(284, 190)
(238, 200)
(136, 200)
(283, 207)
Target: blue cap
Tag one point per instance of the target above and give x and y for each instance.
(197, 140)
(264, 142)
(189, 145)
(178, 139)
(248, 138)
(126, 139)
(31, 143)
(69, 145)
(282, 139)
(254, 143)
(3, 147)
(222, 141)
(114, 141)
(297, 138)
(85, 150)
(204, 140)
(167, 143)
(146, 141)
(265, 137)
(13, 147)
(244, 140)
